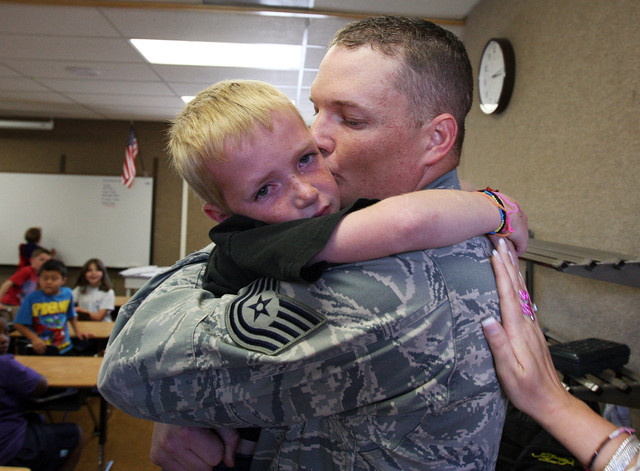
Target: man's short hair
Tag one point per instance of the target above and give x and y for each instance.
(436, 75)
(224, 113)
(54, 265)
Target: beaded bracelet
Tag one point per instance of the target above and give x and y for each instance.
(504, 214)
(612, 435)
(509, 230)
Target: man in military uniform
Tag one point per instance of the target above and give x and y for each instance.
(390, 369)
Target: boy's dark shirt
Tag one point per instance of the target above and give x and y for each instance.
(247, 249)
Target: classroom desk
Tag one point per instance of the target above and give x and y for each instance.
(99, 330)
(121, 301)
(133, 283)
(72, 372)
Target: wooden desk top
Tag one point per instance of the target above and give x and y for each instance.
(65, 371)
(100, 330)
(121, 300)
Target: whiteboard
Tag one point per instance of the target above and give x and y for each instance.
(81, 216)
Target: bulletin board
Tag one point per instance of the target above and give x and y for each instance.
(81, 216)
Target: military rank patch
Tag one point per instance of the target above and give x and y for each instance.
(264, 321)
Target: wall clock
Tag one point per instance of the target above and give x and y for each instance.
(496, 75)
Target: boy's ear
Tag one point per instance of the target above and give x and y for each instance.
(440, 134)
(215, 212)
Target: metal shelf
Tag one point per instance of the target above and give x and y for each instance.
(601, 265)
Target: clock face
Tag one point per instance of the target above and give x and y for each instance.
(495, 77)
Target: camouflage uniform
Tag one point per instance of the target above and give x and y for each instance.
(379, 365)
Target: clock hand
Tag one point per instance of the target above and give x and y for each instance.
(498, 73)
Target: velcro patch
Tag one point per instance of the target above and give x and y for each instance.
(264, 321)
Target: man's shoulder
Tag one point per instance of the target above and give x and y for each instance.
(409, 280)
(188, 272)
(188, 269)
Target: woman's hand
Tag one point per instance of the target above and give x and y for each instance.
(519, 348)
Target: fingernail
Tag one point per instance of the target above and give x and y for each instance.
(513, 260)
(490, 325)
(502, 243)
(496, 254)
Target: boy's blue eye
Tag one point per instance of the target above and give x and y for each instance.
(305, 159)
(262, 192)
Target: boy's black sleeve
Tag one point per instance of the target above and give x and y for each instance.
(247, 249)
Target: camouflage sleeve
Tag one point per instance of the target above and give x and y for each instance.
(386, 356)
(178, 357)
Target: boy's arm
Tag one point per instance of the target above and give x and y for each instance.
(415, 221)
(76, 328)
(4, 288)
(40, 388)
(39, 346)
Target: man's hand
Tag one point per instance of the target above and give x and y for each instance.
(178, 448)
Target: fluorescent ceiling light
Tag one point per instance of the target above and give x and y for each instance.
(256, 56)
(35, 125)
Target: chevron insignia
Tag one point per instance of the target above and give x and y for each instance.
(264, 321)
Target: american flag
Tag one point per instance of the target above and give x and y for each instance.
(129, 166)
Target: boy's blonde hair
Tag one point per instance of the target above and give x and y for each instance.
(224, 113)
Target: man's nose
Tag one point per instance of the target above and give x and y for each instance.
(321, 135)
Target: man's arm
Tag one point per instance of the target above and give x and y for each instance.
(177, 448)
(175, 361)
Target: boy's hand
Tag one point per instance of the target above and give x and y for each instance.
(39, 346)
(519, 224)
(84, 335)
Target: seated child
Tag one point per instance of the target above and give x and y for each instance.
(23, 281)
(93, 294)
(27, 442)
(43, 314)
(32, 237)
(246, 151)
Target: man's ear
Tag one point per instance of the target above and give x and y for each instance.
(215, 212)
(440, 133)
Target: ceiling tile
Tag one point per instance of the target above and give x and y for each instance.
(39, 41)
(17, 46)
(106, 87)
(54, 21)
(56, 69)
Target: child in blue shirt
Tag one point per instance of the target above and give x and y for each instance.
(43, 314)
